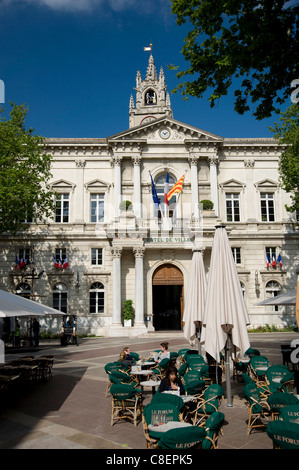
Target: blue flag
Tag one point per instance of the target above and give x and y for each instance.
(154, 193)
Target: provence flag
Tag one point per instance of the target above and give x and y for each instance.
(177, 188)
(154, 193)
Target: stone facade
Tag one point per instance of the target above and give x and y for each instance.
(144, 254)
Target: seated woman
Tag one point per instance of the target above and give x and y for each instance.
(163, 354)
(172, 382)
(125, 357)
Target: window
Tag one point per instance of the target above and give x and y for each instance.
(24, 255)
(96, 298)
(272, 290)
(96, 208)
(96, 256)
(270, 254)
(60, 297)
(160, 187)
(267, 207)
(62, 208)
(237, 255)
(232, 207)
(60, 254)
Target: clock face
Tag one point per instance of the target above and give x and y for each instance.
(164, 133)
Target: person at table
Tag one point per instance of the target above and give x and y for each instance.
(125, 357)
(172, 382)
(163, 354)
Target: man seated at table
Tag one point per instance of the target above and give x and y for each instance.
(172, 382)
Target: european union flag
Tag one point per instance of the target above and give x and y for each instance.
(154, 193)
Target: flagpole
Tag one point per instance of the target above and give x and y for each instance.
(159, 205)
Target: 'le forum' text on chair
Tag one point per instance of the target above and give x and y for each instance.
(182, 438)
(284, 434)
(155, 414)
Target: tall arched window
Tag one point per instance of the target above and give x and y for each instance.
(59, 300)
(272, 290)
(96, 298)
(160, 187)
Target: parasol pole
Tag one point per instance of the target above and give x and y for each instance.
(227, 371)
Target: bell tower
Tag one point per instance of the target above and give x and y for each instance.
(152, 101)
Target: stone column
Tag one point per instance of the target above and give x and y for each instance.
(137, 186)
(117, 183)
(139, 286)
(213, 162)
(193, 162)
(116, 286)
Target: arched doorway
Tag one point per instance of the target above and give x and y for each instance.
(168, 297)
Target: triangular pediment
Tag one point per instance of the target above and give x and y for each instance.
(232, 184)
(178, 131)
(266, 184)
(97, 184)
(63, 184)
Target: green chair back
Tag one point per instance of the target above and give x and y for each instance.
(175, 400)
(191, 375)
(252, 395)
(213, 394)
(278, 372)
(284, 434)
(279, 400)
(182, 438)
(195, 387)
(290, 413)
(159, 413)
(252, 352)
(118, 377)
(123, 391)
(182, 352)
(114, 367)
(259, 361)
(182, 369)
(213, 426)
(194, 359)
(135, 356)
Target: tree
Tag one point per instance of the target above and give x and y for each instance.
(254, 42)
(24, 173)
(287, 133)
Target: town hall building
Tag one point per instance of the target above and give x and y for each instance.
(109, 242)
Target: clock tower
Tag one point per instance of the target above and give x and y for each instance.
(152, 101)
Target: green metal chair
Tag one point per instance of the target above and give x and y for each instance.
(278, 400)
(208, 404)
(155, 414)
(213, 427)
(257, 407)
(284, 434)
(127, 403)
(190, 437)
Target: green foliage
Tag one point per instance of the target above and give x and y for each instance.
(128, 310)
(24, 173)
(287, 133)
(272, 329)
(125, 205)
(254, 42)
(207, 205)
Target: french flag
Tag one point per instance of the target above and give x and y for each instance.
(279, 260)
(273, 261)
(22, 263)
(65, 263)
(16, 263)
(57, 264)
(268, 260)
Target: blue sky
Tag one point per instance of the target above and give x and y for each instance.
(74, 63)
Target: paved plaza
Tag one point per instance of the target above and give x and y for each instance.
(71, 410)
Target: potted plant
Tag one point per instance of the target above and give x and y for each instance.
(207, 205)
(128, 312)
(126, 206)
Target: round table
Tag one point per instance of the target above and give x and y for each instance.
(170, 425)
(150, 383)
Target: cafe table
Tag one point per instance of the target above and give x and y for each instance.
(150, 383)
(168, 426)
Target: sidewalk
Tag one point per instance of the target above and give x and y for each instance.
(71, 411)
